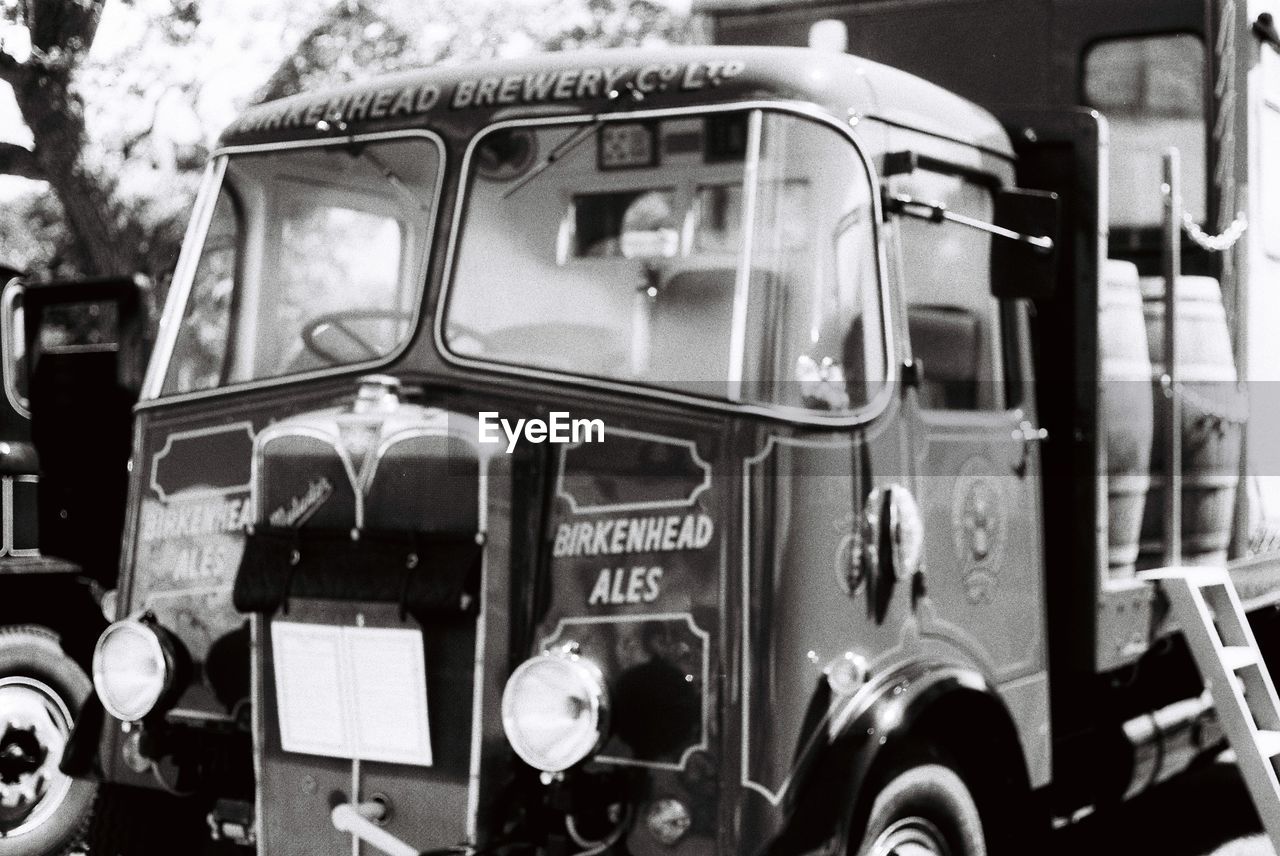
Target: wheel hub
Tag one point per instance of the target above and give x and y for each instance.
(911, 836)
(35, 725)
(20, 754)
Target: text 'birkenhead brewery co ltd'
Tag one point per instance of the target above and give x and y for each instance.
(558, 427)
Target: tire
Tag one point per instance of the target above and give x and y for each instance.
(131, 821)
(42, 811)
(925, 809)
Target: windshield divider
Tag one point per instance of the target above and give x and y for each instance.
(742, 284)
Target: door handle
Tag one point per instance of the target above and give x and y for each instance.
(1028, 434)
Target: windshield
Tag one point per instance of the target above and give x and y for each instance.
(314, 258)
(731, 256)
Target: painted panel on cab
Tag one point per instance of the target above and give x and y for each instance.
(194, 510)
(635, 559)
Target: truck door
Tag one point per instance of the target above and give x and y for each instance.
(975, 462)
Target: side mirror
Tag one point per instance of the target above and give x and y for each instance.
(1019, 268)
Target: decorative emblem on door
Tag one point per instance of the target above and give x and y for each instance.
(979, 519)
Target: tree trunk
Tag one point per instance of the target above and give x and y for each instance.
(55, 118)
(61, 33)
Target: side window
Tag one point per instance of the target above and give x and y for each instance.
(1151, 89)
(953, 321)
(199, 360)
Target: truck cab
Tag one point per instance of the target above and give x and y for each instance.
(631, 450)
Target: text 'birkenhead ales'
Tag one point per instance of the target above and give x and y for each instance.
(187, 518)
(633, 535)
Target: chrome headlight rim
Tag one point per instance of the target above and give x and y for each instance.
(594, 689)
(162, 649)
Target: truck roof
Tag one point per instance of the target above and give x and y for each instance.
(710, 6)
(460, 100)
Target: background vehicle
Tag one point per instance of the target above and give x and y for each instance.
(52, 582)
(824, 580)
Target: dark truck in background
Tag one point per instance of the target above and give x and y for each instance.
(62, 489)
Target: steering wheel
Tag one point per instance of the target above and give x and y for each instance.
(340, 322)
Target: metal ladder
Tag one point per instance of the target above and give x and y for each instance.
(1209, 613)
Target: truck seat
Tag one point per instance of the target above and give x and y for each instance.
(945, 339)
(690, 324)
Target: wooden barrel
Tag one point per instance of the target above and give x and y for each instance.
(1126, 410)
(1212, 423)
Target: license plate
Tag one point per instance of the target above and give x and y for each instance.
(352, 692)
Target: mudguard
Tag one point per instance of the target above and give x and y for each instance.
(911, 713)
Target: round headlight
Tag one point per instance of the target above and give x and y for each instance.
(133, 667)
(554, 710)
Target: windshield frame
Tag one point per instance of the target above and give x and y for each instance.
(863, 414)
(193, 246)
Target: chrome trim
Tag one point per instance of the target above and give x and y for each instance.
(167, 448)
(281, 431)
(877, 405)
(355, 798)
(6, 524)
(158, 368)
(360, 481)
(702, 745)
(402, 436)
(742, 281)
(687, 502)
(157, 649)
(8, 351)
(598, 703)
(257, 727)
(477, 677)
(10, 505)
(183, 277)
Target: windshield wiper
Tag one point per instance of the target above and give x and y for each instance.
(571, 142)
(937, 212)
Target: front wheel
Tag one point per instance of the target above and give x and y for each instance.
(924, 811)
(42, 811)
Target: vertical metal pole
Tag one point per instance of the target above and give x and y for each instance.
(1173, 425)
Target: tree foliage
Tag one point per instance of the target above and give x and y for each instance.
(120, 131)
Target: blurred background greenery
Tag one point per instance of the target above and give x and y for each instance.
(108, 108)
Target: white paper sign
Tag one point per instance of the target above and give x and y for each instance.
(352, 692)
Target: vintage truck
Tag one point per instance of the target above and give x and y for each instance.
(836, 575)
